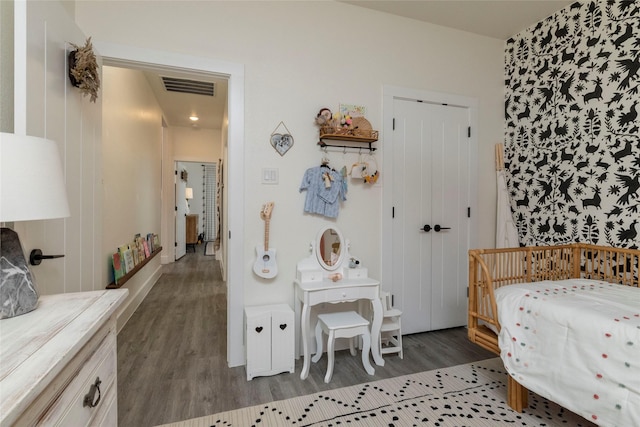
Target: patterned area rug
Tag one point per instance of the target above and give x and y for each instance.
(464, 395)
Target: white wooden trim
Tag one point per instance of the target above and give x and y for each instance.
(133, 57)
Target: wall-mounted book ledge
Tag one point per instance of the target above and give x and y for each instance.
(129, 275)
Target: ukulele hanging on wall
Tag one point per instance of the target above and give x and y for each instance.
(265, 265)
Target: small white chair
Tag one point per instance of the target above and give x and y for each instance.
(345, 324)
(391, 329)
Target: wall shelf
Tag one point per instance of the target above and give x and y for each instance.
(129, 275)
(352, 138)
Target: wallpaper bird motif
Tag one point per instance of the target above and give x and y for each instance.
(572, 140)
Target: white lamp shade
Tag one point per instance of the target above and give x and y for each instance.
(188, 193)
(32, 185)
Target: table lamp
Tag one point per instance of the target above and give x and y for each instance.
(188, 195)
(32, 187)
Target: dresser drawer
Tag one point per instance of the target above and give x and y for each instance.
(108, 416)
(69, 408)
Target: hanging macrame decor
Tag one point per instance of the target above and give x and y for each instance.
(281, 139)
(83, 70)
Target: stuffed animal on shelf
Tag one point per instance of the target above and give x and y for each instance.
(324, 117)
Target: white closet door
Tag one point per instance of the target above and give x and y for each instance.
(430, 188)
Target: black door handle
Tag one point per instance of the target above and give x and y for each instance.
(438, 228)
(426, 228)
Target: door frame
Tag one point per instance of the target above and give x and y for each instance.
(180, 214)
(389, 94)
(140, 58)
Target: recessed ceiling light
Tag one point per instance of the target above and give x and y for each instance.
(193, 118)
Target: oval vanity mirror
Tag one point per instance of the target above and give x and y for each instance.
(331, 249)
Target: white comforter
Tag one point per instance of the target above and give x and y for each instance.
(576, 342)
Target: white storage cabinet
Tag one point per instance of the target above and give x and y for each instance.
(269, 340)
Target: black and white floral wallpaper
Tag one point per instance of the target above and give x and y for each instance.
(572, 139)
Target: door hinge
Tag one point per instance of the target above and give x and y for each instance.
(175, 244)
(176, 208)
(467, 292)
(469, 132)
(469, 212)
(175, 172)
(229, 234)
(394, 124)
(392, 300)
(393, 212)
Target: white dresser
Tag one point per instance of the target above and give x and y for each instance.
(58, 362)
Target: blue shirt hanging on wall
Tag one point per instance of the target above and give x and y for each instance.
(325, 191)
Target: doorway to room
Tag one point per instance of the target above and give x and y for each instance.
(197, 218)
(232, 232)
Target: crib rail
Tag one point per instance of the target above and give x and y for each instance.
(613, 265)
(490, 269)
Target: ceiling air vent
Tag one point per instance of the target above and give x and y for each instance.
(172, 84)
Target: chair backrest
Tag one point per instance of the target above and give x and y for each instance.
(385, 297)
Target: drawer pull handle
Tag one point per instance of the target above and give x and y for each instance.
(90, 398)
(259, 329)
(283, 326)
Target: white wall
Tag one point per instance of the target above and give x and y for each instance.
(132, 153)
(47, 105)
(6, 66)
(195, 145)
(299, 57)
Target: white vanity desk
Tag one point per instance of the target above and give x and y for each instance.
(313, 286)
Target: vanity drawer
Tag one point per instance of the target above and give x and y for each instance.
(357, 273)
(69, 409)
(342, 294)
(310, 276)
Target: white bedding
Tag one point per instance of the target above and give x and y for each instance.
(576, 342)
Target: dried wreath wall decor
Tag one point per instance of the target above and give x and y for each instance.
(83, 69)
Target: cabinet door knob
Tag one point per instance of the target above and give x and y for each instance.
(259, 329)
(90, 398)
(283, 326)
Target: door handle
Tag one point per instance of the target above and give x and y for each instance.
(438, 228)
(426, 228)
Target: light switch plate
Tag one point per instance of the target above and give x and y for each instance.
(269, 175)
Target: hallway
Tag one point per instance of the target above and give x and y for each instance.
(172, 354)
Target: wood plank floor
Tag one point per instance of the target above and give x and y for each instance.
(172, 354)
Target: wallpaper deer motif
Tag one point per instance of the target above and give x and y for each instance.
(572, 140)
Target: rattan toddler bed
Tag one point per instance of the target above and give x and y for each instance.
(569, 331)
